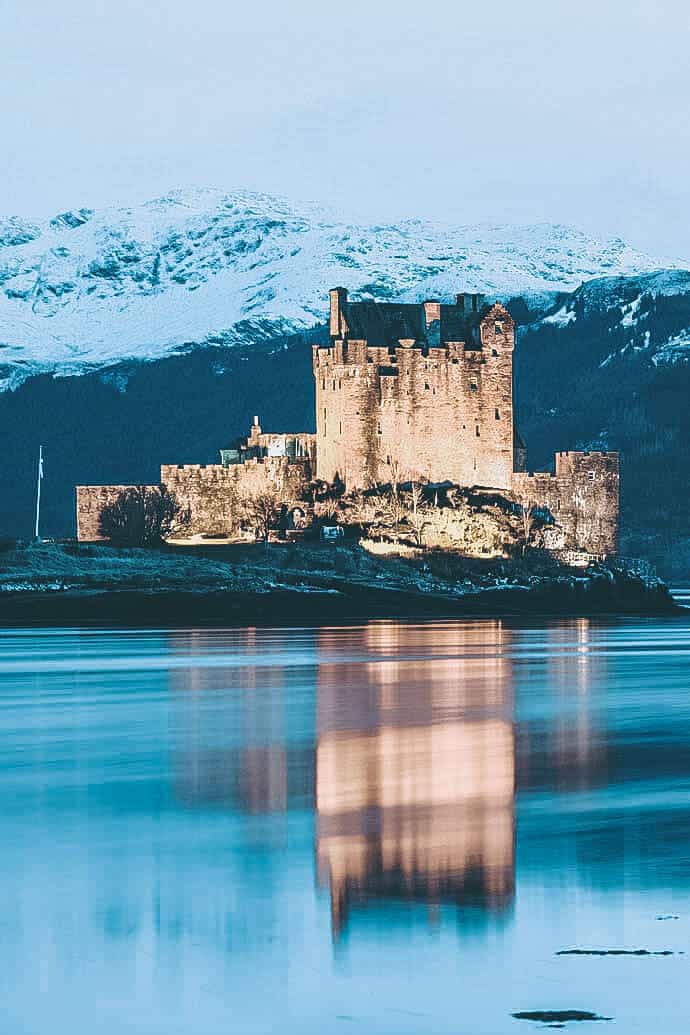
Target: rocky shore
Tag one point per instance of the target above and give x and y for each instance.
(73, 584)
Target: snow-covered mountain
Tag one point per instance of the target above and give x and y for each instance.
(89, 289)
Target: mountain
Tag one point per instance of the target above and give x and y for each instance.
(121, 308)
(609, 367)
(89, 289)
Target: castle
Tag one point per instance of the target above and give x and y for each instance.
(416, 392)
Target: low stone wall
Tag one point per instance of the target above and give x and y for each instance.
(91, 501)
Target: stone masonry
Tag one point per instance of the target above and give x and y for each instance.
(91, 501)
(582, 497)
(415, 391)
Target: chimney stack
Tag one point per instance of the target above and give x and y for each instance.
(432, 321)
(337, 325)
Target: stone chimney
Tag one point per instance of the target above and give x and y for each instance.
(432, 321)
(255, 431)
(337, 324)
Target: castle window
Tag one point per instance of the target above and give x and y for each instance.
(323, 384)
(474, 386)
(476, 430)
(592, 476)
(378, 428)
(494, 352)
(426, 386)
(340, 427)
(498, 328)
(333, 384)
(497, 413)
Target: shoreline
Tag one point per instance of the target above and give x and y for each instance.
(57, 585)
(144, 609)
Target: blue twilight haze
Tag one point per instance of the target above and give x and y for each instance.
(462, 112)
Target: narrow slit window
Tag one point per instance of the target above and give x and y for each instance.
(476, 430)
(497, 413)
(474, 384)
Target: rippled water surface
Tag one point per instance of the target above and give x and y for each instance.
(388, 828)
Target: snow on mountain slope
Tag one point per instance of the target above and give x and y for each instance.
(645, 315)
(89, 289)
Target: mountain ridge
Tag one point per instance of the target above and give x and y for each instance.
(200, 267)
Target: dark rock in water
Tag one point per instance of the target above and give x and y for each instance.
(669, 917)
(615, 952)
(557, 1018)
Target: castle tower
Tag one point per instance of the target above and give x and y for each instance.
(415, 391)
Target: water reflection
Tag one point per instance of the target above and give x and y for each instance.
(241, 740)
(401, 738)
(189, 818)
(415, 772)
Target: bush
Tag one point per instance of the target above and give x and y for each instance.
(141, 516)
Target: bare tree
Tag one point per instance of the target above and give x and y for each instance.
(416, 515)
(262, 510)
(529, 511)
(394, 504)
(142, 515)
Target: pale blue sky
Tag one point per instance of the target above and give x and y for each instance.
(492, 111)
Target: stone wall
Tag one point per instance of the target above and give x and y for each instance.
(582, 496)
(438, 413)
(91, 501)
(214, 494)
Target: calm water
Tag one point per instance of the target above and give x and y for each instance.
(380, 829)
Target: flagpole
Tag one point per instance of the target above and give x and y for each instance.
(38, 487)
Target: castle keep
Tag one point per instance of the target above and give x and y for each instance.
(416, 392)
(425, 390)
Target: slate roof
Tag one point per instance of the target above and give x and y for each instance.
(385, 323)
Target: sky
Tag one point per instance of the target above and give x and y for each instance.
(484, 112)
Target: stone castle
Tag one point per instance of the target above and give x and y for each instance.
(404, 393)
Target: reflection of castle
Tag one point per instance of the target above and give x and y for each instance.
(415, 774)
(403, 740)
(236, 745)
